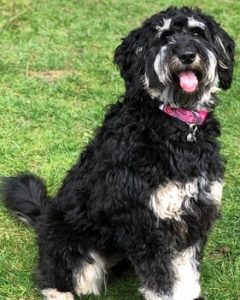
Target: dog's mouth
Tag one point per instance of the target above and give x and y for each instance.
(188, 80)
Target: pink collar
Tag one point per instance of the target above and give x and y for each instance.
(188, 116)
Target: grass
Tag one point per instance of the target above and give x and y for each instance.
(56, 77)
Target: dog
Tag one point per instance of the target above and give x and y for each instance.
(147, 188)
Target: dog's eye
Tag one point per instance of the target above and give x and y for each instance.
(196, 31)
(166, 34)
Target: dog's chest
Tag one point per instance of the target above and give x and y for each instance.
(174, 199)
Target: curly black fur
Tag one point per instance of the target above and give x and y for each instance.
(103, 212)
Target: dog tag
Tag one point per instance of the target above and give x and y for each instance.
(191, 137)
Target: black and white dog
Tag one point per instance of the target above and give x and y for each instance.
(148, 186)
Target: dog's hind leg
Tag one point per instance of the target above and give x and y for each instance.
(89, 275)
(62, 274)
(54, 275)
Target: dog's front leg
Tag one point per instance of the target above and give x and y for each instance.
(153, 265)
(164, 273)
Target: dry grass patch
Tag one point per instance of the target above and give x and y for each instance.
(50, 75)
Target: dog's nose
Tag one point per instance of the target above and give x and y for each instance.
(187, 57)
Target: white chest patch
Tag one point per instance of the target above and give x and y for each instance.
(168, 200)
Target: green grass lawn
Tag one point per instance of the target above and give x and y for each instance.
(56, 77)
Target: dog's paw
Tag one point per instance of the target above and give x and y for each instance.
(54, 294)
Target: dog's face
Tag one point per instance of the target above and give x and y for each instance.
(179, 56)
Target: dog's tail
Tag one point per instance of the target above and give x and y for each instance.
(26, 196)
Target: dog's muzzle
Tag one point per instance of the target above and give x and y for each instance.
(187, 69)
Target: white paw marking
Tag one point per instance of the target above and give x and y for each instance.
(54, 294)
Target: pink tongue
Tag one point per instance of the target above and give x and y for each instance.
(188, 81)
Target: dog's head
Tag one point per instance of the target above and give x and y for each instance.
(179, 56)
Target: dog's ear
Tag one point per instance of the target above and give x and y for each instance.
(225, 48)
(129, 56)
